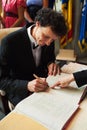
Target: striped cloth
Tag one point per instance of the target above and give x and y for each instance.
(67, 11)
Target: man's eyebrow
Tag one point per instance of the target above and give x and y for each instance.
(47, 36)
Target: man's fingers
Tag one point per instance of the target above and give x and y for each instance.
(55, 85)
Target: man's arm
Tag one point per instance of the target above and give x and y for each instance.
(81, 77)
(10, 85)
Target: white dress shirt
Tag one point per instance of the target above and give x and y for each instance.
(36, 49)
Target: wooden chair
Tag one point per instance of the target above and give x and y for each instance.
(4, 102)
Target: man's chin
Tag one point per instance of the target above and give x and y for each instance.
(41, 44)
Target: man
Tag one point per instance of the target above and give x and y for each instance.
(30, 51)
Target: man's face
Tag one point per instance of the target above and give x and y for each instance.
(44, 35)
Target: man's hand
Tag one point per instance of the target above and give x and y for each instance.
(53, 69)
(64, 81)
(37, 85)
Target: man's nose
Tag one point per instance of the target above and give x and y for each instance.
(48, 42)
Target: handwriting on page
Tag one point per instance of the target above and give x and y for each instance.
(52, 109)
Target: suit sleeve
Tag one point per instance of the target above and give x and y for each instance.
(81, 78)
(7, 83)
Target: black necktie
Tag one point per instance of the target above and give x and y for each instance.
(34, 47)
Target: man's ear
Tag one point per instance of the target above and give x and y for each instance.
(37, 23)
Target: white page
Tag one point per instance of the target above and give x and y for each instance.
(52, 108)
(73, 67)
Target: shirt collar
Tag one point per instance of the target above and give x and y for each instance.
(30, 36)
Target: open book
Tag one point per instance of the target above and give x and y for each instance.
(53, 108)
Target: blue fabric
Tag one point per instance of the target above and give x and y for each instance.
(34, 2)
(64, 1)
(83, 22)
(32, 10)
(83, 28)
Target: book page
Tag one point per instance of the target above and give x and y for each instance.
(51, 80)
(51, 108)
(73, 67)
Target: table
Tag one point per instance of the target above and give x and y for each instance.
(16, 121)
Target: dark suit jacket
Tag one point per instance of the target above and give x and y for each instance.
(81, 77)
(18, 66)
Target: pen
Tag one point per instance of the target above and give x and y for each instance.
(36, 76)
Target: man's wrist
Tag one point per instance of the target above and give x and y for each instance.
(71, 77)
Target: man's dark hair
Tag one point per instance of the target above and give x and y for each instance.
(54, 19)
